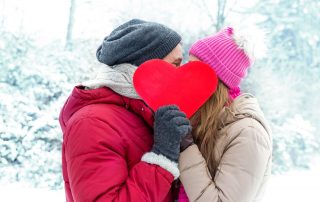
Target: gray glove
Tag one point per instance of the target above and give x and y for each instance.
(170, 126)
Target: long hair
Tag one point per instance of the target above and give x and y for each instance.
(205, 124)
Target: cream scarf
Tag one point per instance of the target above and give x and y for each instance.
(118, 78)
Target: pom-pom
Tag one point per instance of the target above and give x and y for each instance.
(251, 39)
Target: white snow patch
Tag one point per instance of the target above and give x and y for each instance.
(19, 192)
(294, 187)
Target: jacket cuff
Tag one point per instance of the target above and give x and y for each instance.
(162, 161)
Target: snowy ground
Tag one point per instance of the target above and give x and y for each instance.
(293, 187)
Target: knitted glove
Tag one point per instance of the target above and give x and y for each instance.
(170, 126)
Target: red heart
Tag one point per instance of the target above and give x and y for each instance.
(159, 83)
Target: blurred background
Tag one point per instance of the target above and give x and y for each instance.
(47, 47)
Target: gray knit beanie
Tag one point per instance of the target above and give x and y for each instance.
(137, 41)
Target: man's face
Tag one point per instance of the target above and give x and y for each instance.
(175, 56)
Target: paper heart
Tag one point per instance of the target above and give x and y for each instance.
(159, 83)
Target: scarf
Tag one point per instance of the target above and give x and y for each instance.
(118, 78)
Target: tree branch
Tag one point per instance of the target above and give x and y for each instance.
(68, 45)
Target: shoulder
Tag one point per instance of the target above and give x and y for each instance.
(107, 123)
(250, 132)
(97, 111)
(95, 121)
(102, 115)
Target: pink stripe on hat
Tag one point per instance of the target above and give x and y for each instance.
(222, 53)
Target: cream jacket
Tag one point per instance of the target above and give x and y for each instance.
(244, 153)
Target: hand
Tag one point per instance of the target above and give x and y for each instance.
(186, 142)
(170, 126)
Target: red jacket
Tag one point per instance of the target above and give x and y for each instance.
(104, 138)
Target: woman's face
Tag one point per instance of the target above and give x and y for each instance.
(193, 58)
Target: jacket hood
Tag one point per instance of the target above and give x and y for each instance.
(80, 98)
(244, 106)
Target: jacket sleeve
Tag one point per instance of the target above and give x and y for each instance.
(240, 171)
(98, 170)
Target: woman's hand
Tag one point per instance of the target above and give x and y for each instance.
(186, 142)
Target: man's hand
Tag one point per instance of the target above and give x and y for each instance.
(170, 126)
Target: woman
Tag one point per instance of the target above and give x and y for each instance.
(231, 157)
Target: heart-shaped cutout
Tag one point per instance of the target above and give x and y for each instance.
(159, 83)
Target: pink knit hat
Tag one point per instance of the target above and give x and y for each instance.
(225, 56)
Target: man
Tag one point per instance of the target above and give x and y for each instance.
(108, 130)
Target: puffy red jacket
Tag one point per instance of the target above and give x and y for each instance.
(104, 138)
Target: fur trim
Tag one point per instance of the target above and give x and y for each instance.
(252, 40)
(162, 161)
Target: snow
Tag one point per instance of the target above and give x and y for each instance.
(294, 186)
(17, 192)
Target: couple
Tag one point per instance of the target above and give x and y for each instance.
(115, 148)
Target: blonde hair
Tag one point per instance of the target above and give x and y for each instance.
(205, 124)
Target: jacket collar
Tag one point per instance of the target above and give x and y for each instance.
(140, 108)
